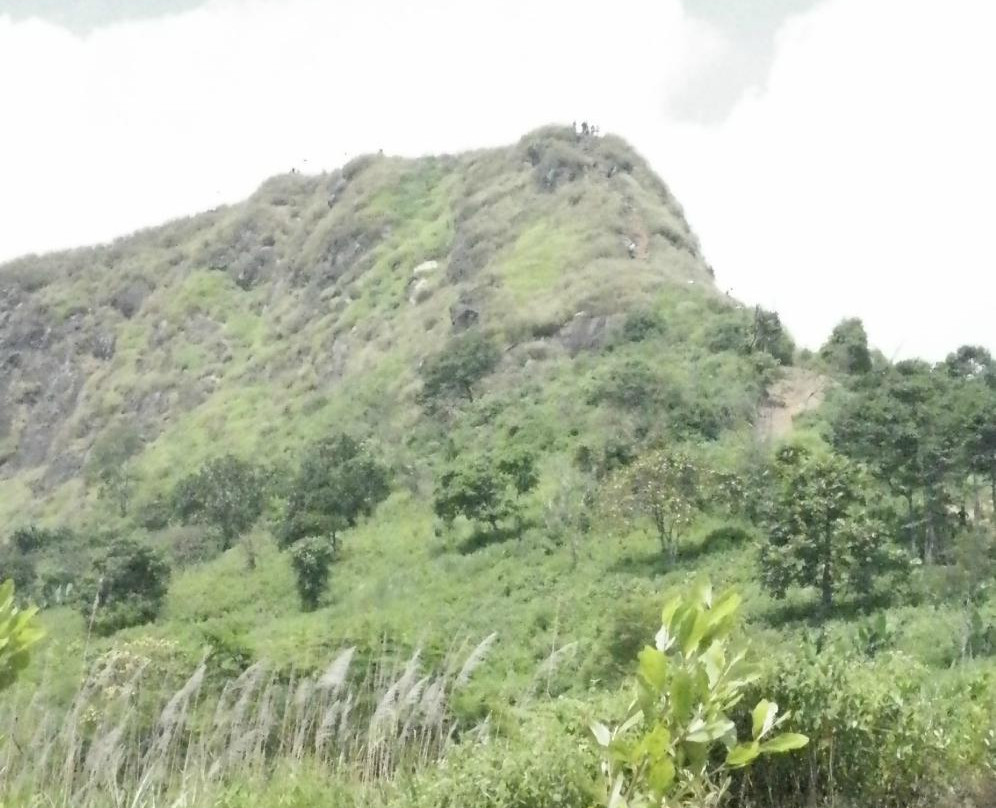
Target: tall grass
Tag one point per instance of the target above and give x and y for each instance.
(126, 740)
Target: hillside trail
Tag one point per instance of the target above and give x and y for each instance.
(798, 391)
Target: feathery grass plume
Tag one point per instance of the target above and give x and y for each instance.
(549, 665)
(475, 659)
(335, 675)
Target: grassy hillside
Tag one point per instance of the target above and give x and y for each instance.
(319, 306)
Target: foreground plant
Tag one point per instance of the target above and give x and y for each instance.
(19, 630)
(678, 744)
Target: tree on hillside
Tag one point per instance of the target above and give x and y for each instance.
(454, 371)
(663, 486)
(486, 488)
(227, 493)
(310, 560)
(109, 466)
(847, 347)
(767, 335)
(973, 374)
(34, 555)
(822, 530)
(916, 426)
(126, 586)
(339, 482)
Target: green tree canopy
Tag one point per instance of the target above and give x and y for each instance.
(663, 486)
(847, 347)
(486, 488)
(339, 482)
(823, 531)
(227, 493)
(453, 372)
(125, 586)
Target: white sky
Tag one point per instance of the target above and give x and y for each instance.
(858, 179)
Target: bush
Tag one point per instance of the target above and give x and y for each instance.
(125, 586)
(678, 744)
(18, 632)
(545, 765)
(310, 559)
(884, 732)
(453, 372)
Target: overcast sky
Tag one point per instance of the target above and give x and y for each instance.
(836, 157)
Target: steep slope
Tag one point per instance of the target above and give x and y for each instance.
(258, 326)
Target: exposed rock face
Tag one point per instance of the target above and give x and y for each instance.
(463, 316)
(586, 332)
(44, 366)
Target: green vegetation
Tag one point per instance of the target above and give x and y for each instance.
(472, 420)
(227, 493)
(465, 360)
(18, 632)
(822, 531)
(689, 682)
(125, 586)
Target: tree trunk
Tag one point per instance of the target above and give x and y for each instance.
(826, 582)
(910, 525)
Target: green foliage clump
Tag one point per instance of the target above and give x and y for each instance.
(669, 749)
(846, 349)
(454, 371)
(125, 586)
(663, 486)
(310, 559)
(339, 482)
(486, 488)
(543, 764)
(886, 731)
(42, 562)
(227, 493)
(109, 465)
(823, 531)
(768, 336)
(19, 631)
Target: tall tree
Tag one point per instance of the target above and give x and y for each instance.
(486, 488)
(822, 531)
(339, 482)
(902, 425)
(847, 347)
(663, 486)
(973, 374)
(228, 493)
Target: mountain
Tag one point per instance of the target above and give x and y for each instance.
(258, 325)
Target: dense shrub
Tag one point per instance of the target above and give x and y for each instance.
(546, 763)
(883, 732)
(125, 586)
(454, 371)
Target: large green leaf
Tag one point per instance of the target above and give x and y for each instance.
(743, 754)
(763, 718)
(653, 668)
(785, 742)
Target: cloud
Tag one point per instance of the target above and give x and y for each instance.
(859, 181)
(856, 181)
